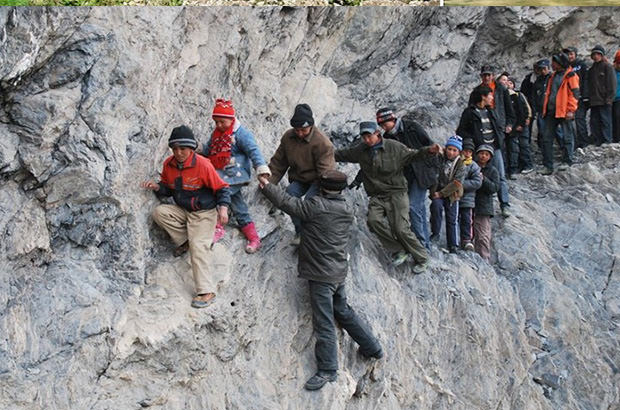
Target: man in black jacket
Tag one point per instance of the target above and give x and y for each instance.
(580, 67)
(326, 220)
(479, 124)
(601, 92)
(420, 175)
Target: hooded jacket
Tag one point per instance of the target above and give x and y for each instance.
(567, 96)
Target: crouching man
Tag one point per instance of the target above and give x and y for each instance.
(326, 220)
(202, 199)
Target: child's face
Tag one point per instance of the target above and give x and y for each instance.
(451, 152)
(181, 153)
(222, 123)
(467, 153)
(484, 157)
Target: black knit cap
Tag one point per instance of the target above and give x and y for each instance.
(468, 143)
(561, 59)
(302, 117)
(333, 180)
(570, 49)
(385, 114)
(598, 49)
(183, 137)
(486, 69)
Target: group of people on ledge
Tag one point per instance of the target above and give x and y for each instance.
(400, 167)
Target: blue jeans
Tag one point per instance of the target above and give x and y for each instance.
(568, 136)
(329, 305)
(600, 124)
(498, 162)
(417, 213)
(299, 189)
(466, 224)
(438, 206)
(239, 207)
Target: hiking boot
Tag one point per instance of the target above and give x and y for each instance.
(468, 246)
(181, 249)
(400, 258)
(252, 236)
(546, 171)
(419, 268)
(219, 233)
(320, 379)
(296, 240)
(527, 171)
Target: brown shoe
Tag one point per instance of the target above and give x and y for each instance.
(181, 249)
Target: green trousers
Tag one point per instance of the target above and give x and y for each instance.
(388, 218)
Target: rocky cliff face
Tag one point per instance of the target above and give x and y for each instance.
(94, 309)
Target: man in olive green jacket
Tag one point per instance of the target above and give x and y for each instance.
(382, 162)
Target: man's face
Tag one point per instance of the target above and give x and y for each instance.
(487, 99)
(388, 125)
(486, 78)
(451, 152)
(302, 132)
(371, 139)
(572, 56)
(467, 153)
(181, 153)
(537, 70)
(556, 66)
(484, 157)
(222, 123)
(544, 70)
(503, 80)
(596, 57)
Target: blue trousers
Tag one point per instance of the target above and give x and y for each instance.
(299, 189)
(329, 305)
(498, 162)
(239, 207)
(438, 207)
(600, 124)
(466, 223)
(582, 138)
(417, 213)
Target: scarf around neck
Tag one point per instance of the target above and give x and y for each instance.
(221, 145)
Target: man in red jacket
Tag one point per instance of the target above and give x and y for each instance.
(202, 199)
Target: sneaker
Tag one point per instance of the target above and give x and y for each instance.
(546, 171)
(434, 238)
(219, 233)
(512, 177)
(296, 240)
(376, 355)
(400, 258)
(203, 300)
(320, 379)
(420, 268)
(452, 249)
(527, 171)
(469, 247)
(563, 167)
(505, 212)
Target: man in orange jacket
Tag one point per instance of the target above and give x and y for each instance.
(559, 106)
(202, 199)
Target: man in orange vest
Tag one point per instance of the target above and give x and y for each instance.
(559, 106)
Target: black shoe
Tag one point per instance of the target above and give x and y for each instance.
(453, 249)
(319, 380)
(434, 238)
(376, 355)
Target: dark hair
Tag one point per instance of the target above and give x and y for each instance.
(477, 94)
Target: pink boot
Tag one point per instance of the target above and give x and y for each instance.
(219, 233)
(252, 236)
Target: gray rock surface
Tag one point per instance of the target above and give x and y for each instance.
(94, 309)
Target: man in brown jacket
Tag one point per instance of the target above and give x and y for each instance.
(306, 153)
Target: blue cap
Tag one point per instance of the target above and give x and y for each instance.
(543, 63)
(368, 127)
(455, 141)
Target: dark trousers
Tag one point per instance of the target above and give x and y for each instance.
(600, 123)
(568, 136)
(615, 113)
(329, 304)
(299, 189)
(582, 138)
(519, 154)
(438, 207)
(466, 221)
